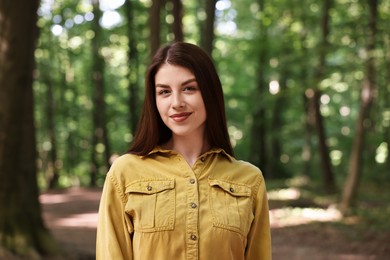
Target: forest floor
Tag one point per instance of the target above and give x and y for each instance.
(299, 230)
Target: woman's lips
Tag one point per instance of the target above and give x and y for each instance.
(180, 117)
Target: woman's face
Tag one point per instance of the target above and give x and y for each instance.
(179, 101)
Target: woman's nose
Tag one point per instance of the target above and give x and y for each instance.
(177, 101)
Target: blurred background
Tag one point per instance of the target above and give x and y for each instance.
(307, 95)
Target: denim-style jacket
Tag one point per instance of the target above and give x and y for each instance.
(158, 207)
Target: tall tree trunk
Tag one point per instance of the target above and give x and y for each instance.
(258, 131)
(177, 25)
(207, 34)
(387, 98)
(274, 169)
(309, 124)
(52, 175)
(366, 100)
(155, 26)
(100, 135)
(329, 183)
(69, 114)
(307, 148)
(133, 64)
(51, 169)
(327, 173)
(22, 230)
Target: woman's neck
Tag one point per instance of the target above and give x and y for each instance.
(189, 148)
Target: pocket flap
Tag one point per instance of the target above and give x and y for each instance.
(235, 189)
(150, 186)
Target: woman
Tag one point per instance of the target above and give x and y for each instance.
(179, 193)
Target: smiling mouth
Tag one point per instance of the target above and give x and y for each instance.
(180, 117)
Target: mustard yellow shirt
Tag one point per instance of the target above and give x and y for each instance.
(157, 207)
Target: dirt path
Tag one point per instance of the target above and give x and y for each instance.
(71, 215)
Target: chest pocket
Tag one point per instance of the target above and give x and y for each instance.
(231, 205)
(151, 203)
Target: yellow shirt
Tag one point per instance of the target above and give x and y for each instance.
(157, 207)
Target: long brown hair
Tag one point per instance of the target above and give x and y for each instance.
(151, 130)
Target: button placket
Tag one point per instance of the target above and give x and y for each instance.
(192, 216)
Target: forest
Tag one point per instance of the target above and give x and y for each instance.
(306, 86)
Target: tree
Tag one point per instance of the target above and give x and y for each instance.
(386, 97)
(258, 131)
(314, 111)
(52, 174)
(274, 169)
(155, 26)
(312, 71)
(366, 101)
(309, 124)
(207, 39)
(177, 26)
(99, 119)
(133, 64)
(22, 230)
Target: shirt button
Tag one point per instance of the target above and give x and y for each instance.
(192, 181)
(149, 188)
(231, 189)
(193, 205)
(193, 237)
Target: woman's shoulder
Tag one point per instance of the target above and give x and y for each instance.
(238, 170)
(124, 164)
(125, 159)
(126, 169)
(245, 166)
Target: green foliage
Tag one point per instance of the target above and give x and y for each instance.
(64, 60)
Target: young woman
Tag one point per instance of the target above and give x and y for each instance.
(179, 193)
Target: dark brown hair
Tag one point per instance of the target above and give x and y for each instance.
(151, 130)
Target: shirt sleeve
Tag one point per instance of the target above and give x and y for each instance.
(259, 236)
(113, 240)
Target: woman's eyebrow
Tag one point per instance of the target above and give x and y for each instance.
(188, 81)
(160, 85)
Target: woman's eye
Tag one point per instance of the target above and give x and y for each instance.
(190, 88)
(163, 92)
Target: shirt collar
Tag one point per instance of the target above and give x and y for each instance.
(214, 150)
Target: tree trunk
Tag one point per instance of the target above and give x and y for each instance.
(22, 230)
(258, 131)
(309, 125)
(177, 22)
(133, 64)
(155, 26)
(49, 161)
(100, 135)
(307, 148)
(275, 170)
(366, 100)
(387, 99)
(207, 34)
(68, 113)
(328, 178)
(329, 183)
(52, 175)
